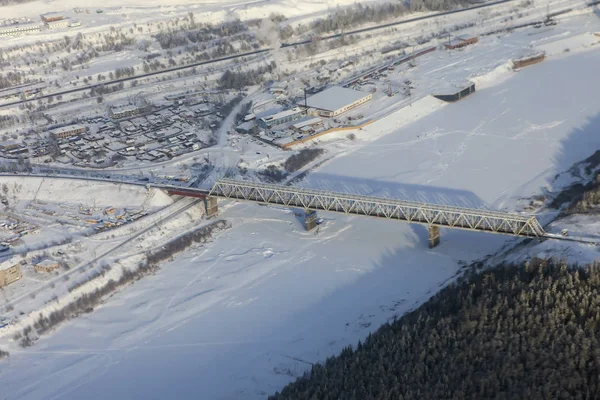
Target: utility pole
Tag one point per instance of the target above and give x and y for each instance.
(305, 102)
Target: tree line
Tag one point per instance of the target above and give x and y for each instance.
(526, 331)
(239, 80)
(352, 17)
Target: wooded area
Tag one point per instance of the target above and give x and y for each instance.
(514, 332)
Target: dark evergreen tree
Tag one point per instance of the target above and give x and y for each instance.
(514, 332)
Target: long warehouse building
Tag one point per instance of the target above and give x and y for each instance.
(337, 100)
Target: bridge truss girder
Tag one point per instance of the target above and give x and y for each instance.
(413, 212)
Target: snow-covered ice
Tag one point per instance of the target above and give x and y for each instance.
(230, 321)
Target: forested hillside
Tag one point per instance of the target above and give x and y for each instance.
(514, 332)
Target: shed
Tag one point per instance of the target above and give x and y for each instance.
(459, 42)
(46, 266)
(455, 92)
(528, 60)
(309, 123)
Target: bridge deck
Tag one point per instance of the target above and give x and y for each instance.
(413, 212)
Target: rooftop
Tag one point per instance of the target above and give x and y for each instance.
(47, 263)
(5, 266)
(283, 114)
(21, 25)
(448, 88)
(9, 143)
(307, 122)
(279, 85)
(529, 54)
(334, 98)
(461, 39)
(66, 129)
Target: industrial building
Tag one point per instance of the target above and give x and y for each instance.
(67, 131)
(52, 17)
(19, 29)
(63, 23)
(282, 117)
(337, 100)
(124, 111)
(10, 145)
(278, 88)
(246, 127)
(18, 151)
(459, 42)
(10, 275)
(528, 60)
(455, 92)
(47, 266)
(307, 125)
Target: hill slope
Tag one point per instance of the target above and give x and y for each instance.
(513, 332)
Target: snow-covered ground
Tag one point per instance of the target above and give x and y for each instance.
(241, 317)
(205, 10)
(80, 192)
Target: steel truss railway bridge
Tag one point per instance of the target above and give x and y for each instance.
(432, 215)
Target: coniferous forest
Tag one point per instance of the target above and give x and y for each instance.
(514, 332)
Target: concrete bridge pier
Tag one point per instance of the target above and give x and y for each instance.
(211, 206)
(310, 219)
(434, 236)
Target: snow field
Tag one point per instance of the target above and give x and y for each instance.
(87, 193)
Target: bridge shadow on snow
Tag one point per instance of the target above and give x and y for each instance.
(393, 190)
(375, 188)
(390, 190)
